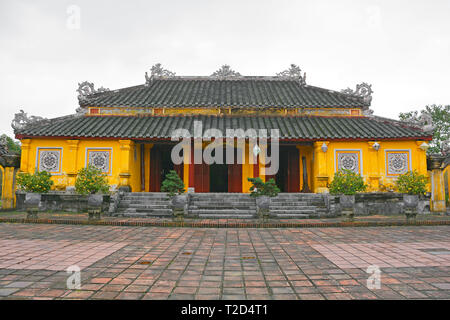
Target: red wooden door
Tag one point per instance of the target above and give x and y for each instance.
(201, 177)
(155, 170)
(293, 171)
(235, 178)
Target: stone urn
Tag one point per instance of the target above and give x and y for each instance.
(263, 207)
(179, 204)
(95, 204)
(411, 203)
(348, 205)
(32, 201)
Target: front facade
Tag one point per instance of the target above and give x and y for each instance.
(217, 131)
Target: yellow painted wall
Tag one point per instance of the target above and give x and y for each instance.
(447, 184)
(125, 166)
(373, 162)
(74, 157)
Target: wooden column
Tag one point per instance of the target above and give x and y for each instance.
(25, 154)
(72, 161)
(320, 167)
(125, 169)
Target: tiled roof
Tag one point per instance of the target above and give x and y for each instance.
(200, 92)
(157, 127)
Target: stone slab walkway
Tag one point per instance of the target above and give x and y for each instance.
(374, 220)
(119, 262)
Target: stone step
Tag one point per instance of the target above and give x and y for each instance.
(156, 203)
(133, 198)
(143, 206)
(226, 216)
(298, 211)
(289, 208)
(144, 214)
(295, 216)
(226, 211)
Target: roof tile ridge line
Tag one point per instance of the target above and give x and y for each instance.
(45, 121)
(337, 92)
(394, 122)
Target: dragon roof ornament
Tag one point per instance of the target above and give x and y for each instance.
(363, 90)
(225, 72)
(86, 89)
(423, 122)
(21, 120)
(294, 72)
(158, 72)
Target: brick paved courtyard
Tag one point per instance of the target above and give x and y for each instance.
(195, 263)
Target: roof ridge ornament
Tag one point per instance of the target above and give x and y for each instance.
(158, 72)
(225, 72)
(22, 120)
(85, 89)
(423, 122)
(363, 90)
(294, 72)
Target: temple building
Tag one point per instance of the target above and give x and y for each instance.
(129, 134)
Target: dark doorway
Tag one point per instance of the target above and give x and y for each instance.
(160, 165)
(288, 175)
(218, 178)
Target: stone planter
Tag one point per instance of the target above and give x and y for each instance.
(263, 207)
(32, 201)
(411, 203)
(95, 204)
(348, 205)
(179, 205)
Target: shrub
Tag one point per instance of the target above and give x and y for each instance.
(261, 188)
(347, 182)
(39, 182)
(412, 182)
(91, 180)
(172, 184)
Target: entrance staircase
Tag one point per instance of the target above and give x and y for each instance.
(298, 205)
(144, 204)
(223, 205)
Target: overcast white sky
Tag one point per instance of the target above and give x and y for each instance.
(401, 47)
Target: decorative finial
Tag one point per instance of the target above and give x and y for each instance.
(156, 72)
(294, 72)
(86, 89)
(225, 72)
(21, 120)
(363, 90)
(423, 122)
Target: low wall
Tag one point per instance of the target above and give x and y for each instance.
(385, 203)
(61, 201)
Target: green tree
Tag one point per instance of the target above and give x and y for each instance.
(412, 182)
(91, 180)
(12, 145)
(441, 119)
(39, 182)
(172, 184)
(347, 182)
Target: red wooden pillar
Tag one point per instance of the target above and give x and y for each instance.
(293, 172)
(192, 168)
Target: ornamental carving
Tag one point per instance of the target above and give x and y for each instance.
(49, 160)
(445, 147)
(156, 72)
(397, 163)
(21, 120)
(85, 89)
(99, 160)
(348, 161)
(225, 72)
(294, 72)
(363, 90)
(423, 122)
